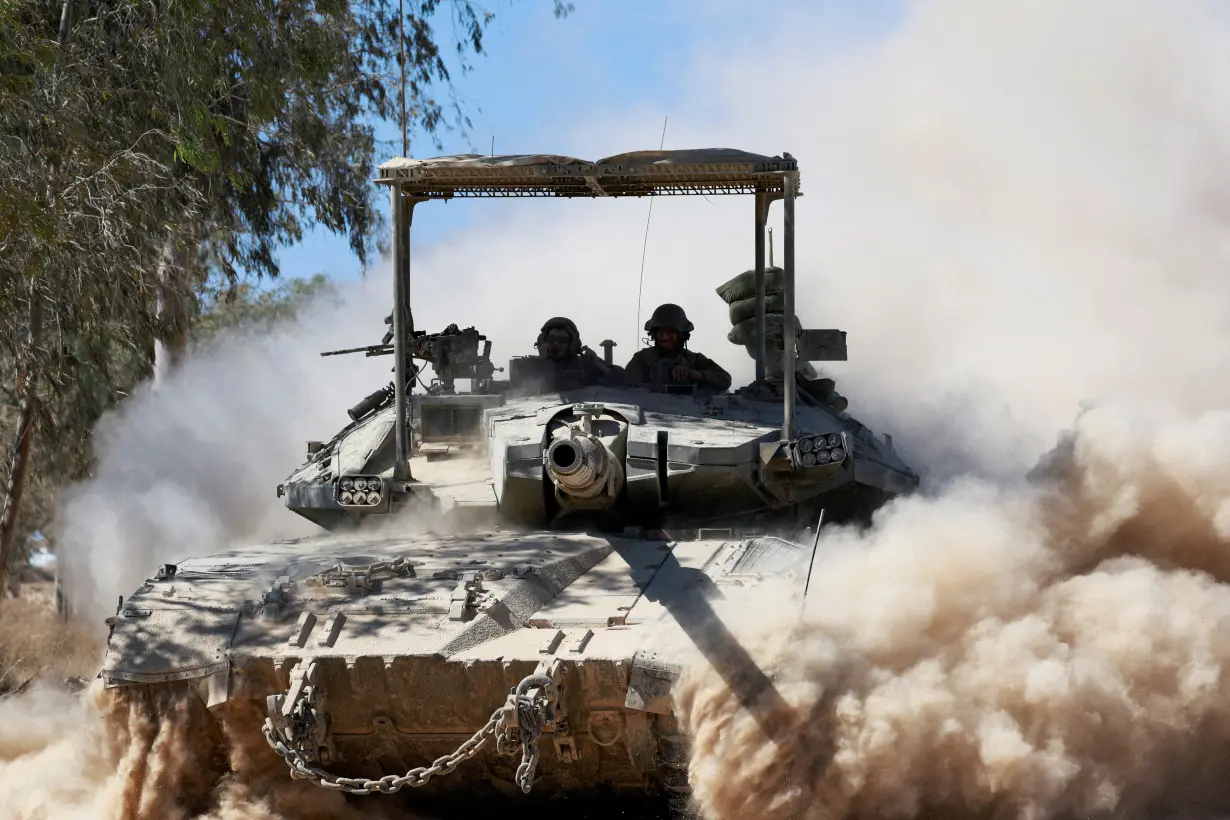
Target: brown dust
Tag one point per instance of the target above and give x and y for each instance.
(1057, 651)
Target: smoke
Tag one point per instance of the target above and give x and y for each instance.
(1022, 208)
(1012, 209)
(191, 465)
(154, 754)
(1031, 201)
(1053, 653)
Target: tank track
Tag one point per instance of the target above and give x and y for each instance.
(674, 750)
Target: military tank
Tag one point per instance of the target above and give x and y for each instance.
(491, 610)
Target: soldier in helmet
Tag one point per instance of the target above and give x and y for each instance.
(669, 362)
(574, 364)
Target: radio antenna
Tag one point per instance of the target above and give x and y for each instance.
(640, 288)
(405, 133)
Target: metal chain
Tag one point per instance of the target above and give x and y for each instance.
(530, 719)
(300, 768)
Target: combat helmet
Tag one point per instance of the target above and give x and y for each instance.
(574, 346)
(672, 316)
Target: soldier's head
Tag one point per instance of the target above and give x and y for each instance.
(558, 339)
(669, 327)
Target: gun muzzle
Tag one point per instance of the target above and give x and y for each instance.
(583, 468)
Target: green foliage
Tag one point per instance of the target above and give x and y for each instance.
(250, 309)
(94, 378)
(88, 196)
(186, 141)
(100, 375)
(285, 143)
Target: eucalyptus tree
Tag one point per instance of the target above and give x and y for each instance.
(166, 146)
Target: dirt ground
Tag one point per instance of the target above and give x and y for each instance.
(34, 643)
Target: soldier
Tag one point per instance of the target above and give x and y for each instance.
(669, 362)
(575, 365)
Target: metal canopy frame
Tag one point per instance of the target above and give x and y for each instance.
(705, 171)
(691, 172)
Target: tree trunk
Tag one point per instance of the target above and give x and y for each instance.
(28, 382)
(174, 288)
(172, 311)
(21, 448)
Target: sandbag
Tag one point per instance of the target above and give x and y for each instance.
(745, 309)
(743, 286)
(745, 332)
(773, 362)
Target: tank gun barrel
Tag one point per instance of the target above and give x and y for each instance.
(582, 467)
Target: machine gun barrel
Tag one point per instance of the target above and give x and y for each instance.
(582, 467)
(370, 350)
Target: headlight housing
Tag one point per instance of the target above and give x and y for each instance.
(820, 450)
(360, 492)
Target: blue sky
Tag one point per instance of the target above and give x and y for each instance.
(541, 76)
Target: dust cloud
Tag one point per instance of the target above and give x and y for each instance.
(1058, 652)
(1024, 209)
(191, 466)
(1015, 210)
(137, 756)
(1046, 182)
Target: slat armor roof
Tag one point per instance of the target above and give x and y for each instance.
(640, 173)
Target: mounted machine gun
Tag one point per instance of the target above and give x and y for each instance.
(453, 354)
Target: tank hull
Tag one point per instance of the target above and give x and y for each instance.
(387, 721)
(405, 670)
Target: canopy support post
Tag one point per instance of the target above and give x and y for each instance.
(789, 331)
(402, 208)
(762, 218)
